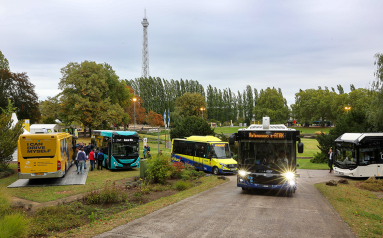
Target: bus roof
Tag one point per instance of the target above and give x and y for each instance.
(201, 139)
(360, 137)
(46, 135)
(110, 133)
(259, 127)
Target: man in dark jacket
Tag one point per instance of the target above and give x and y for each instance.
(100, 158)
(330, 159)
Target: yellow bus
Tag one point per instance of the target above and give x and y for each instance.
(44, 155)
(207, 153)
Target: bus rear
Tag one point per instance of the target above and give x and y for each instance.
(39, 156)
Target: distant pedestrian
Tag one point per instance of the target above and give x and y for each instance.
(330, 159)
(148, 148)
(159, 154)
(81, 158)
(91, 159)
(149, 155)
(100, 158)
(144, 152)
(74, 157)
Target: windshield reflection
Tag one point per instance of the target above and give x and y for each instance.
(220, 151)
(125, 149)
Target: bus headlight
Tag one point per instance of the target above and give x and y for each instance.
(291, 183)
(289, 175)
(243, 173)
(224, 165)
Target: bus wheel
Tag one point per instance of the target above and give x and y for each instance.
(215, 171)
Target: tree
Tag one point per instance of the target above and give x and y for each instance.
(18, 88)
(314, 104)
(270, 102)
(118, 92)
(190, 104)
(86, 97)
(9, 135)
(375, 113)
(191, 126)
(155, 119)
(4, 64)
(51, 110)
(249, 106)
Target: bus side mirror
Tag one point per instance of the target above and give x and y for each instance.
(300, 147)
(232, 138)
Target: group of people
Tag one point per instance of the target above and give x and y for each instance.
(146, 152)
(84, 153)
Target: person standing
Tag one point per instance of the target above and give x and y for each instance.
(330, 159)
(81, 158)
(144, 152)
(74, 157)
(100, 158)
(91, 159)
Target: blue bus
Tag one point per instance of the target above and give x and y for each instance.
(121, 148)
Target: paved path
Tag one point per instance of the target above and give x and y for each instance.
(71, 178)
(227, 211)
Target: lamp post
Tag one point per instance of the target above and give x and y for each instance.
(134, 101)
(347, 108)
(202, 109)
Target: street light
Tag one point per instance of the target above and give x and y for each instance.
(202, 109)
(134, 102)
(347, 108)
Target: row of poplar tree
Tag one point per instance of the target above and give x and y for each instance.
(221, 105)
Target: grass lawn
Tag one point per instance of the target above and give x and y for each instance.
(306, 164)
(312, 129)
(359, 208)
(310, 147)
(96, 179)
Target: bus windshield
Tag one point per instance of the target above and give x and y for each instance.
(123, 149)
(220, 151)
(266, 152)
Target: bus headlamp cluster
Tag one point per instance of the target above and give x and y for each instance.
(224, 165)
(289, 175)
(243, 173)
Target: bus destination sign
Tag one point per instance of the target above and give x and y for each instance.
(276, 135)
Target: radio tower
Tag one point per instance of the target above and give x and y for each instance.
(145, 49)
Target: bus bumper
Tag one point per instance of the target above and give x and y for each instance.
(57, 174)
(283, 186)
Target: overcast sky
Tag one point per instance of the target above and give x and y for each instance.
(228, 44)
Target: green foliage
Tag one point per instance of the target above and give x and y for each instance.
(352, 122)
(18, 88)
(86, 97)
(4, 64)
(190, 104)
(14, 225)
(313, 104)
(319, 158)
(375, 113)
(9, 109)
(182, 185)
(271, 102)
(5, 203)
(191, 126)
(158, 169)
(9, 136)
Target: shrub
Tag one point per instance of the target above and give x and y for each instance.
(158, 169)
(14, 225)
(319, 158)
(176, 170)
(373, 184)
(111, 193)
(137, 196)
(182, 185)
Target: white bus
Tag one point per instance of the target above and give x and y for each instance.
(359, 155)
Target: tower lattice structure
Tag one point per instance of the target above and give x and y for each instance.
(145, 49)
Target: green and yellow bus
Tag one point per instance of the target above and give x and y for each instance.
(207, 153)
(44, 155)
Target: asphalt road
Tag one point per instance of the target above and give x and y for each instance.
(227, 211)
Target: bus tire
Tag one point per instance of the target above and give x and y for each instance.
(215, 170)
